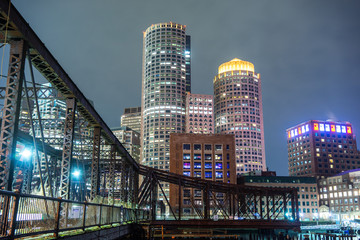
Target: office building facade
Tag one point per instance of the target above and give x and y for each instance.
(163, 91)
(205, 156)
(321, 148)
(238, 111)
(199, 113)
(340, 196)
(130, 139)
(132, 118)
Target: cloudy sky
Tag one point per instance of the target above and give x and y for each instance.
(307, 52)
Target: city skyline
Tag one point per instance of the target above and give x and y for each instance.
(302, 50)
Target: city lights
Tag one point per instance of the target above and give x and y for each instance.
(26, 154)
(329, 127)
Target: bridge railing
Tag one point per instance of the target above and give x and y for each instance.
(26, 215)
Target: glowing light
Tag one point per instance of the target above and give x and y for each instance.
(338, 129)
(26, 154)
(321, 126)
(332, 127)
(348, 129)
(316, 127)
(237, 65)
(296, 132)
(327, 127)
(76, 173)
(289, 134)
(307, 128)
(292, 133)
(299, 130)
(343, 129)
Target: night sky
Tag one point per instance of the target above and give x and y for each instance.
(307, 52)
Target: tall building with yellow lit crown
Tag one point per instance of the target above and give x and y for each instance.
(238, 110)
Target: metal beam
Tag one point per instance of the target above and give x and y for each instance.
(10, 121)
(67, 148)
(95, 164)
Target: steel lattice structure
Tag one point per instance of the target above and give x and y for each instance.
(77, 157)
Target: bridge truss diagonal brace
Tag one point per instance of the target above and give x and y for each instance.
(67, 148)
(10, 121)
(95, 164)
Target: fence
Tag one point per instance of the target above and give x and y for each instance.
(24, 215)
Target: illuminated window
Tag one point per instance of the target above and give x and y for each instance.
(307, 128)
(208, 156)
(218, 166)
(327, 127)
(303, 129)
(332, 127)
(218, 156)
(299, 129)
(197, 174)
(197, 165)
(343, 129)
(186, 165)
(208, 165)
(296, 132)
(289, 134)
(338, 128)
(316, 127)
(349, 129)
(186, 173)
(197, 156)
(292, 133)
(186, 156)
(218, 174)
(208, 174)
(321, 126)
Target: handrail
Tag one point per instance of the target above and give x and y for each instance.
(27, 215)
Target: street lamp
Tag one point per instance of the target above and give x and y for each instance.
(76, 173)
(26, 154)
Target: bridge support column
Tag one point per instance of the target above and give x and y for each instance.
(206, 200)
(112, 174)
(95, 164)
(11, 111)
(67, 148)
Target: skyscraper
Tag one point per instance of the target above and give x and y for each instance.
(321, 148)
(238, 111)
(163, 91)
(132, 118)
(199, 113)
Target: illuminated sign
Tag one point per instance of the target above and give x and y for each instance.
(298, 131)
(320, 127)
(324, 127)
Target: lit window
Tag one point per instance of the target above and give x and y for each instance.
(343, 129)
(321, 126)
(208, 165)
(349, 129)
(332, 127)
(316, 127)
(218, 166)
(197, 165)
(218, 174)
(208, 174)
(186, 173)
(186, 165)
(327, 127)
(338, 128)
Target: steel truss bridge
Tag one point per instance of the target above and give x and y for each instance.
(62, 169)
